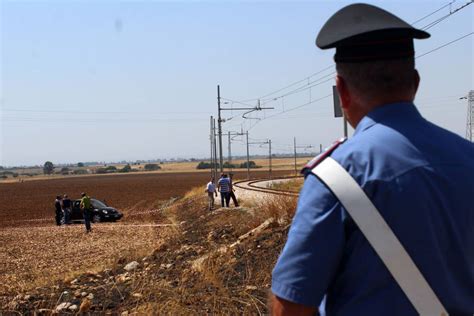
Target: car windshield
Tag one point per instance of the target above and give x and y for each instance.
(98, 204)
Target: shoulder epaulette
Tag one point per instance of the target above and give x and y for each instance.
(326, 152)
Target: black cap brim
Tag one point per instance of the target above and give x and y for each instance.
(363, 19)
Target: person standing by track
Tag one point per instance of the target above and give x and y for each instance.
(231, 192)
(223, 186)
(211, 190)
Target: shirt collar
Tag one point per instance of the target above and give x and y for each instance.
(387, 112)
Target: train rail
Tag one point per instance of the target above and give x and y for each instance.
(262, 185)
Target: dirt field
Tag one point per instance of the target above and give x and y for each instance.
(30, 203)
(215, 263)
(36, 254)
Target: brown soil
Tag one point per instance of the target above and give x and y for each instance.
(31, 203)
(42, 260)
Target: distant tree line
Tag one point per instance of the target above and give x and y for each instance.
(126, 168)
(152, 167)
(208, 165)
(5, 174)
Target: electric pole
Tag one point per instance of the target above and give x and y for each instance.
(211, 139)
(304, 147)
(219, 124)
(220, 120)
(269, 142)
(270, 157)
(229, 159)
(248, 158)
(215, 150)
(470, 115)
(294, 145)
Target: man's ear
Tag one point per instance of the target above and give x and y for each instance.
(343, 90)
(416, 80)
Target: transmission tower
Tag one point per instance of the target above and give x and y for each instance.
(470, 115)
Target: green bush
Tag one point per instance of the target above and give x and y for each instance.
(151, 167)
(252, 165)
(126, 168)
(48, 167)
(230, 165)
(80, 171)
(109, 169)
(204, 165)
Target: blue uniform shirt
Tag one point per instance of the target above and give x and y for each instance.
(421, 179)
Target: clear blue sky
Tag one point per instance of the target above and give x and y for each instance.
(115, 80)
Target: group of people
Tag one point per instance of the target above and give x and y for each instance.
(63, 210)
(225, 188)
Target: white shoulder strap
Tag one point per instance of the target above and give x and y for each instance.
(380, 237)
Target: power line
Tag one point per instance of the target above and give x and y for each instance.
(444, 45)
(310, 85)
(434, 12)
(296, 107)
(300, 89)
(318, 81)
(297, 82)
(96, 112)
(445, 17)
(424, 54)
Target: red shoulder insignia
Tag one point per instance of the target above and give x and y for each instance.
(326, 152)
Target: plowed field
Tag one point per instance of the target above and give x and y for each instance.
(31, 203)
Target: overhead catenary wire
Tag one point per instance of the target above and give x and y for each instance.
(444, 45)
(297, 82)
(305, 79)
(439, 20)
(310, 102)
(434, 12)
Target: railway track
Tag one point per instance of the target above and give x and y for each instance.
(262, 185)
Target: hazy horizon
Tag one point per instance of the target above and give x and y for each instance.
(126, 81)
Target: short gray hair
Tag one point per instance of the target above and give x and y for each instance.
(376, 78)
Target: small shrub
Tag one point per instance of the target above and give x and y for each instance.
(80, 171)
(205, 165)
(126, 168)
(252, 165)
(151, 167)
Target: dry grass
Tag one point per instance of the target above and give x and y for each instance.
(235, 278)
(36, 256)
(289, 185)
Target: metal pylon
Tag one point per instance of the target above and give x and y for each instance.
(470, 116)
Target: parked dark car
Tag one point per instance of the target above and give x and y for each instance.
(101, 212)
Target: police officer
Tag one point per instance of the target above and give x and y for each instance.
(418, 176)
